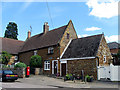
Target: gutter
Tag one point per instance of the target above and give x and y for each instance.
(77, 58)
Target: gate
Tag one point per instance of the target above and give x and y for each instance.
(104, 72)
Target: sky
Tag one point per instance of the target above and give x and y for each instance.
(89, 17)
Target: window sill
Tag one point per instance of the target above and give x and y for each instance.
(46, 69)
(50, 53)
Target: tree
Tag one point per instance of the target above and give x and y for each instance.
(5, 57)
(36, 61)
(11, 31)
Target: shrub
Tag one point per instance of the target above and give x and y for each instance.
(68, 76)
(36, 61)
(5, 57)
(20, 65)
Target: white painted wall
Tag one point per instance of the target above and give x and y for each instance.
(115, 72)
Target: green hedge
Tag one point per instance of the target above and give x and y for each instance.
(20, 65)
(36, 61)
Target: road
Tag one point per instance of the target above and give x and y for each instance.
(41, 81)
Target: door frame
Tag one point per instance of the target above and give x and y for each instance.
(53, 66)
(65, 61)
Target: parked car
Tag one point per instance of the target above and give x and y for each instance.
(6, 75)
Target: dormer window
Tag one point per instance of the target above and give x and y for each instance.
(35, 52)
(68, 35)
(50, 50)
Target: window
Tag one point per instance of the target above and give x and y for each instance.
(47, 65)
(67, 35)
(50, 50)
(35, 52)
(104, 59)
(16, 57)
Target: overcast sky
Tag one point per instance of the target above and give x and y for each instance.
(89, 18)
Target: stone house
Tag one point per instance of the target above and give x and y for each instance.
(12, 46)
(114, 48)
(49, 45)
(62, 51)
(85, 56)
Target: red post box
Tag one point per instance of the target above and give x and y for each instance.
(28, 71)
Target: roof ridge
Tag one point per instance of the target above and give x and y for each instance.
(12, 39)
(90, 36)
(50, 30)
(57, 28)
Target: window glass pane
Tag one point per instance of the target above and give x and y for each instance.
(8, 72)
(48, 66)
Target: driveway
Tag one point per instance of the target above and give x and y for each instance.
(41, 81)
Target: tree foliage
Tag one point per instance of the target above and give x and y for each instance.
(11, 31)
(5, 57)
(36, 61)
(20, 65)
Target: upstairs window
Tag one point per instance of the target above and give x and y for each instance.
(16, 57)
(47, 65)
(104, 58)
(50, 50)
(35, 52)
(68, 35)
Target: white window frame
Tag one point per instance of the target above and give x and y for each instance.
(104, 58)
(16, 58)
(49, 50)
(35, 52)
(47, 64)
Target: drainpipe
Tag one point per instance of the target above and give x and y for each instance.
(97, 64)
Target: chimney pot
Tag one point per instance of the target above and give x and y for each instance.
(29, 34)
(45, 27)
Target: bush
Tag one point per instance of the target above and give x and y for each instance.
(5, 57)
(36, 61)
(20, 65)
(68, 76)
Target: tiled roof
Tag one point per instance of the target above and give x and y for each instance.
(113, 45)
(83, 47)
(12, 46)
(50, 38)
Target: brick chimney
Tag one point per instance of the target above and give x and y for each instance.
(45, 27)
(29, 34)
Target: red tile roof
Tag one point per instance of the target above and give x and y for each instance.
(10, 45)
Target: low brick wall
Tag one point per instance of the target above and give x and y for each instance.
(36, 71)
(88, 66)
(19, 71)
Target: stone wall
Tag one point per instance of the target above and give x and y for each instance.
(104, 50)
(20, 71)
(88, 66)
(72, 35)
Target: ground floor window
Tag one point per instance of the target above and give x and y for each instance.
(47, 65)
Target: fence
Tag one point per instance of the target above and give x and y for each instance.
(111, 72)
(115, 72)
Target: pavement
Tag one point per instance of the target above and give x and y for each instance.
(40, 81)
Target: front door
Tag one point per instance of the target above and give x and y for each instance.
(55, 67)
(63, 68)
